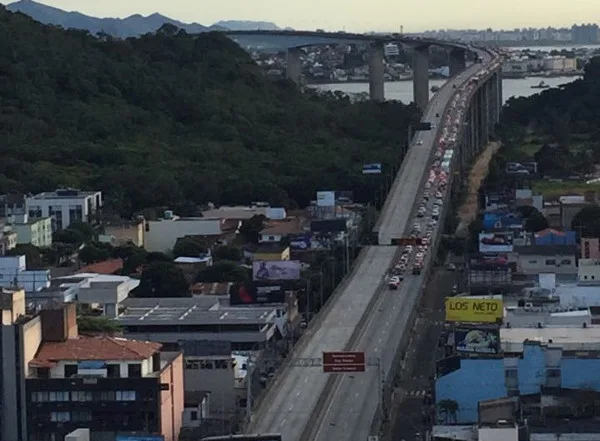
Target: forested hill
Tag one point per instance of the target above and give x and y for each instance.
(171, 118)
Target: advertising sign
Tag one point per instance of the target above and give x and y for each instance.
(498, 242)
(276, 270)
(252, 294)
(325, 198)
(474, 310)
(328, 226)
(300, 242)
(521, 168)
(474, 340)
(372, 169)
(140, 438)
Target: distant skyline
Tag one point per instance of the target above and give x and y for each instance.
(355, 15)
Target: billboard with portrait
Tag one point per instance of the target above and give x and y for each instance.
(474, 310)
(325, 198)
(521, 168)
(477, 340)
(275, 270)
(253, 293)
(497, 242)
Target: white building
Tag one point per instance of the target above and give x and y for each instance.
(560, 64)
(64, 206)
(13, 273)
(37, 231)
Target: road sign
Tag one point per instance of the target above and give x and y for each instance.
(344, 361)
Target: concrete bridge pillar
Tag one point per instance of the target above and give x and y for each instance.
(421, 76)
(376, 72)
(457, 62)
(500, 93)
(294, 65)
(485, 113)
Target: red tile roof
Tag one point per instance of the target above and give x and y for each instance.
(94, 348)
(106, 267)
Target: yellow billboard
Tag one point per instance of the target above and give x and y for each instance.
(464, 309)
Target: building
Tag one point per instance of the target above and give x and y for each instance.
(113, 386)
(571, 205)
(558, 259)
(8, 239)
(36, 231)
(202, 318)
(13, 273)
(276, 231)
(588, 271)
(550, 236)
(528, 361)
(123, 232)
(161, 235)
(12, 204)
(64, 206)
(272, 252)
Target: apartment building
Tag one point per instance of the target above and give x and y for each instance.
(64, 206)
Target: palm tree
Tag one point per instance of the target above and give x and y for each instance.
(449, 410)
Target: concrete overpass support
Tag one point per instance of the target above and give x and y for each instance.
(421, 76)
(485, 113)
(294, 65)
(376, 72)
(457, 62)
(500, 93)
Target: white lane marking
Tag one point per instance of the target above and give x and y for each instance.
(282, 422)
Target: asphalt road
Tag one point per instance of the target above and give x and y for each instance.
(289, 403)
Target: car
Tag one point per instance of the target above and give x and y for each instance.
(451, 267)
(419, 142)
(495, 240)
(438, 194)
(394, 282)
(432, 223)
(420, 255)
(421, 213)
(438, 202)
(417, 227)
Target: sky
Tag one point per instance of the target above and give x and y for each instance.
(355, 15)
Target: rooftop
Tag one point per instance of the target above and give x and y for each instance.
(284, 227)
(547, 250)
(530, 317)
(237, 212)
(570, 339)
(107, 267)
(66, 193)
(94, 348)
(201, 310)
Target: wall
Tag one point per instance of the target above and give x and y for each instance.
(219, 382)
(162, 235)
(534, 264)
(580, 373)
(476, 380)
(272, 256)
(58, 371)
(127, 232)
(171, 409)
(37, 232)
(32, 338)
(590, 248)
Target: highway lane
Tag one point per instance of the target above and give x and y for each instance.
(288, 407)
(356, 398)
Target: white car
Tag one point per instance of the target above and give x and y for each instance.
(394, 282)
(419, 142)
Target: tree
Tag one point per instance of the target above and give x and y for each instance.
(72, 237)
(188, 247)
(251, 227)
(226, 252)
(134, 261)
(33, 256)
(97, 325)
(162, 279)
(587, 222)
(448, 409)
(125, 251)
(92, 253)
(534, 220)
(86, 230)
(223, 271)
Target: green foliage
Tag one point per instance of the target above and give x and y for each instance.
(171, 118)
(251, 227)
(162, 279)
(587, 222)
(70, 236)
(32, 255)
(224, 271)
(226, 252)
(534, 220)
(188, 247)
(92, 253)
(86, 230)
(97, 325)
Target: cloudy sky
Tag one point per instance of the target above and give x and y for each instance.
(355, 15)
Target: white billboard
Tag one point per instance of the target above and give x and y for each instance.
(325, 198)
(500, 242)
(275, 270)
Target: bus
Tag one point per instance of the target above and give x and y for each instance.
(254, 437)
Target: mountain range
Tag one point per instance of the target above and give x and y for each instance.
(131, 26)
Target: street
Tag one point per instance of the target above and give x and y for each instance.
(413, 408)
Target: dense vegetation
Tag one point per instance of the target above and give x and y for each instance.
(171, 119)
(559, 129)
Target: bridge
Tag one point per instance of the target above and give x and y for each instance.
(303, 403)
(294, 41)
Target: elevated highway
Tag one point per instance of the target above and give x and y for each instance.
(305, 404)
(294, 41)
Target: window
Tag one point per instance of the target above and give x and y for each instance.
(550, 262)
(192, 364)
(511, 374)
(108, 395)
(113, 371)
(58, 396)
(194, 415)
(70, 370)
(134, 370)
(125, 395)
(553, 373)
(81, 416)
(206, 364)
(532, 262)
(565, 262)
(81, 395)
(43, 372)
(60, 416)
(39, 397)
